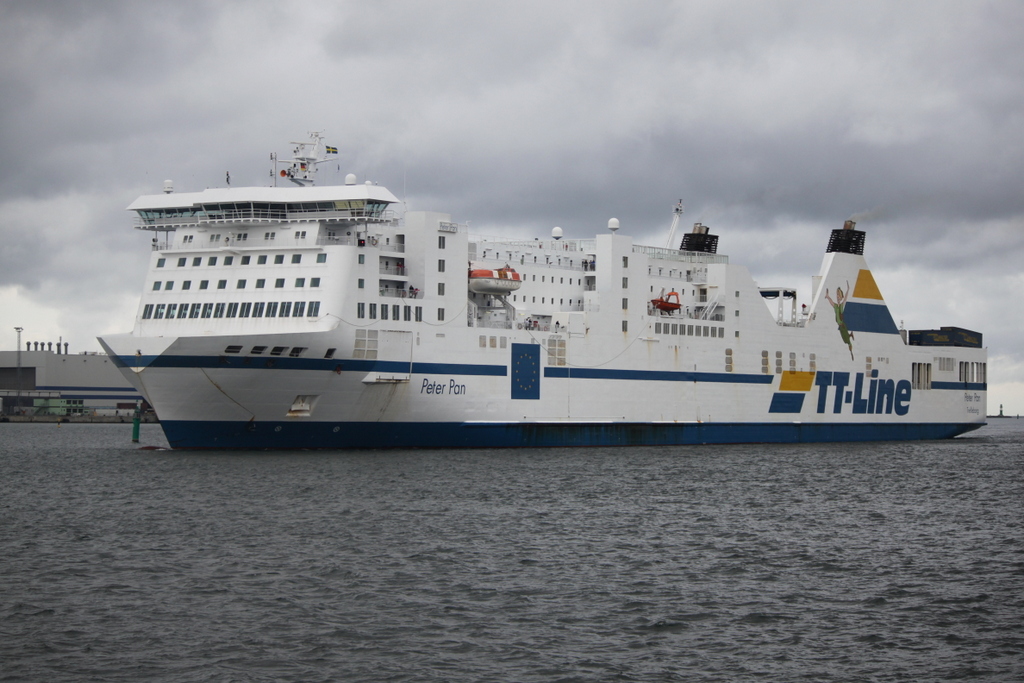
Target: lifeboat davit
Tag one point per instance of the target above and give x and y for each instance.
(664, 303)
(498, 282)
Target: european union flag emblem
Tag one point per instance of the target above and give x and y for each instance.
(526, 371)
(332, 150)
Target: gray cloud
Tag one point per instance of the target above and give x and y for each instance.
(773, 121)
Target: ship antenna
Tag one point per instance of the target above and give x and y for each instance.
(677, 213)
(306, 156)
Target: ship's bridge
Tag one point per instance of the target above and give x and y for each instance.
(256, 205)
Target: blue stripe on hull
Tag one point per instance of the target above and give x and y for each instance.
(371, 435)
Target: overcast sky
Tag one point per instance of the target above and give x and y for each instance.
(772, 121)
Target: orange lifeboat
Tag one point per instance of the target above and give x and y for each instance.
(497, 282)
(663, 302)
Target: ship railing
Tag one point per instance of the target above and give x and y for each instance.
(396, 248)
(395, 270)
(490, 324)
(261, 216)
(399, 292)
(162, 245)
(667, 254)
(326, 241)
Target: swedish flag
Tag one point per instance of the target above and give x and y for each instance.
(332, 150)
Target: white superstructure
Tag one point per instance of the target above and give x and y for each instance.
(303, 316)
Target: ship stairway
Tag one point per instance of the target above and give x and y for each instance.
(709, 309)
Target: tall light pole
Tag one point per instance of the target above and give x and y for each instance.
(18, 376)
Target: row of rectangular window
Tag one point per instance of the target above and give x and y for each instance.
(393, 311)
(243, 260)
(235, 309)
(240, 284)
(689, 330)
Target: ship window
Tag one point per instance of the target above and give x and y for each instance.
(279, 283)
(260, 283)
(625, 326)
(232, 310)
(360, 310)
(440, 241)
(233, 349)
(269, 235)
(494, 342)
(160, 262)
(322, 258)
(218, 311)
(272, 309)
(172, 309)
(222, 284)
(330, 353)
(194, 311)
(147, 311)
(277, 350)
(257, 350)
(156, 286)
(407, 313)
(197, 261)
(228, 260)
(440, 265)
(440, 315)
(299, 309)
(300, 282)
(483, 341)
(212, 261)
(207, 311)
(297, 351)
(159, 311)
(504, 342)
(373, 311)
(169, 285)
(314, 282)
(419, 314)
(625, 283)
(675, 329)
(245, 260)
(245, 310)
(286, 309)
(183, 311)
(240, 284)
(383, 311)
(625, 304)
(625, 262)
(182, 261)
(261, 259)
(257, 309)
(297, 258)
(440, 289)
(278, 259)
(362, 259)
(360, 283)
(214, 238)
(314, 309)
(204, 284)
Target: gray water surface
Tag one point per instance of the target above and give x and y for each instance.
(849, 562)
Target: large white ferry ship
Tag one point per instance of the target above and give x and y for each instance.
(325, 317)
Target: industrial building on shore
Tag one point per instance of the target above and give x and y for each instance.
(43, 379)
